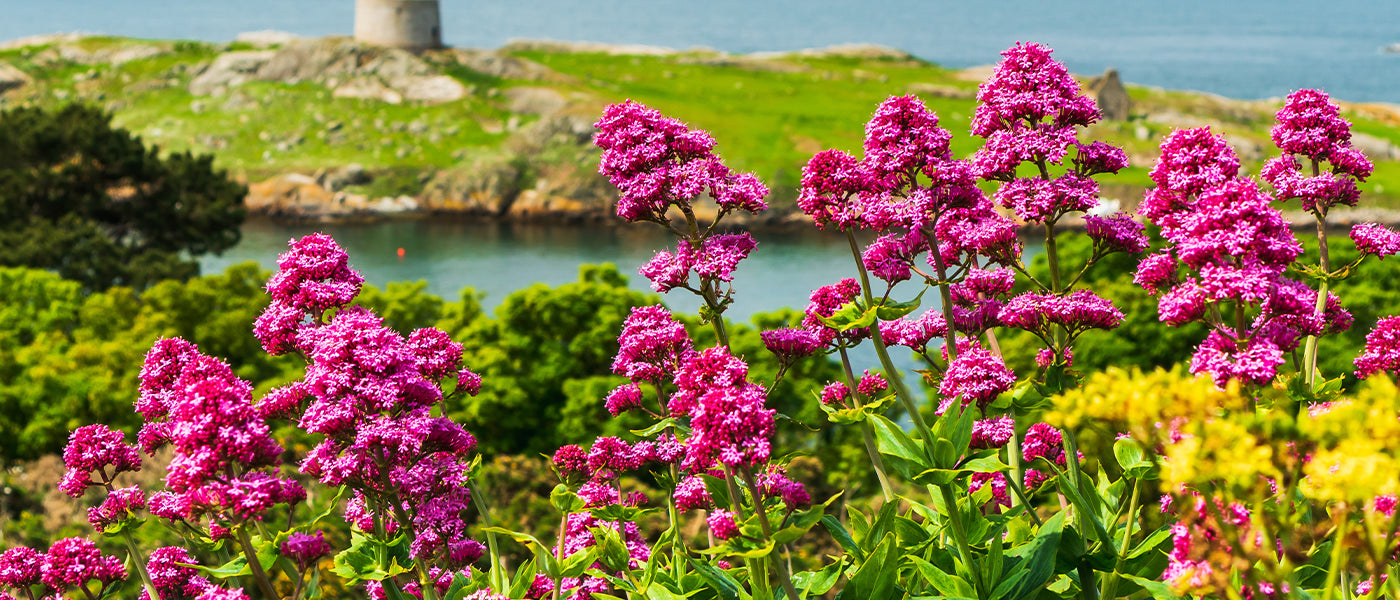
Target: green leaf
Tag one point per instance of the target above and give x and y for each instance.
(658, 427)
(233, 568)
(890, 311)
(722, 583)
(1131, 458)
(876, 578)
(614, 555)
(945, 583)
(565, 500)
(843, 537)
(906, 454)
(993, 563)
(520, 585)
(544, 557)
(986, 464)
(575, 564)
(850, 316)
(1158, 590)
(619, 513)
(458, 589)
(818, 583)
(1037, 559)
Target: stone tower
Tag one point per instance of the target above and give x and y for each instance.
(408, 24)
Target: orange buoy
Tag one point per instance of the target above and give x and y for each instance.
(400, 253)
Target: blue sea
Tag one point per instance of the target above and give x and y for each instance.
(1235, 48)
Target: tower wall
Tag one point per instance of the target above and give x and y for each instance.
(411, 24)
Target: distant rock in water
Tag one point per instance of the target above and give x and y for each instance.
(1111, 96)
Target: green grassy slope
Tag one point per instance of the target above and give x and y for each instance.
(768, 115)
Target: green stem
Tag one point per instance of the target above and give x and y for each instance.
(1110, 584)
(677, 545)
(960, 536)
(1086, 572)
(758, 568)
(1334, 563)
(259, 575)
(901, 391)
(498, 579)
(140, 563)
(1018, 472)
(1052, 255)
(559, 547)
(784, 578)
(1310, 346)
(865, 431)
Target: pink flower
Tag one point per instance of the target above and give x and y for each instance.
(117, 507)
(313, 276)
(729, 422)
(829, 182)
(623, 398)
(1382, 352)
(652, 344)
(1224, 359)
(1374, 238)
(835, 394)
(904, 137)
(306, 549)
(871, 384)
(174, 581)
(722, 524)
(72, 562)
(1027, 111)
(20, 567)
(692, 494)
(1118, 233)
(995, 432)
(96, 448)
(825, 301)
(791, 344)
(976, 375)
(657, 162)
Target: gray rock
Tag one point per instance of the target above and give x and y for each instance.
(230, 69)
(266, 38)
(11, 78)
(504, 66)
(534, 100)
(434, 89)
(369, 88)
(1111, 96)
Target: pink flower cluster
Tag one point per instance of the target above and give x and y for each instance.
(1382, 352)
(977, 375)
(659, 162)
(96, 449)
(1236, 247)
(729, 423)
(653, 344)
(824, 303)
(70, 563)
(1310, 126)
(313, 276)
(712, 260)
(174, 580)
(1028, 111)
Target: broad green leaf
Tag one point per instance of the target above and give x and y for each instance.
(565, 500)
(890, 311)
(850, 316)
(726, 586)
(817, 583)
(876, 578)
(1131, 458)
(946, 584)
(1158, 590)
(907, 454)
(544, 556)
(1037, 560)
(520, 585)
(658, 427)
(843, 537)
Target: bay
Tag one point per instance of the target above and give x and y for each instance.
(1242, 48)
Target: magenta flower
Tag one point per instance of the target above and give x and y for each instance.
(720, 254)
(1040, 200)
(904, 137)
(829, 182)
(72, 562)
(1382, 352)
(976, 375)
(1377, 239)
(1118, 233)
(914, 333)
(1027, 111)
(1311, 125)
(658, 162)
(1041, 441)
(1076, 312)
(890, 257)
(871, 384)
(571, 463)
(1191, 161)
(835, 394)
(722, 524)
(1254, 361)
(774, 483)
(96, 449)
(789, 345)
(728, 420)
(20, 567)
(623, 398)
(995, 432)
(652, 345)
(692, 494)
(1100, 157)
(173, 580)
(1156, 272)
(825, 301)
(118, 506)
(996, 483)
(313, 276)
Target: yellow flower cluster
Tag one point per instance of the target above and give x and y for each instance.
(1358, 445)
(1141, 403)
(1222, 451)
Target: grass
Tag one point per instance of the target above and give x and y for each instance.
(768, 116)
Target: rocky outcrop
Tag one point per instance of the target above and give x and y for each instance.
(497, 63)
(11, 78)
(349, 68)
(933, 90)
(1111, 96)
(300, 197)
